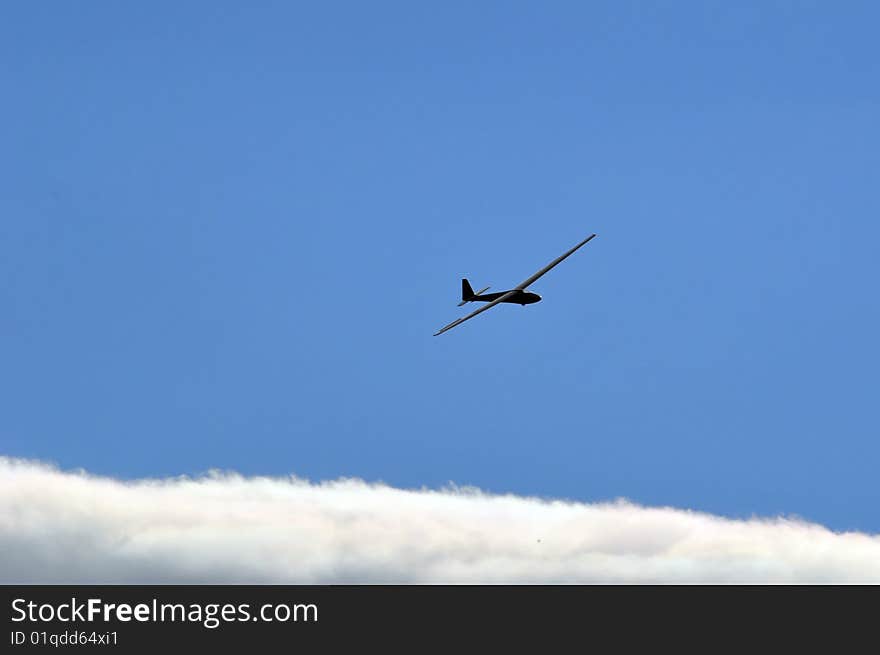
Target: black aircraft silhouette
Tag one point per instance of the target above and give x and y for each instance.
(517, 295)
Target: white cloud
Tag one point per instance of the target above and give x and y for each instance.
(64, 527)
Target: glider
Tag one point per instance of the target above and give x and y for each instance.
(517, 295)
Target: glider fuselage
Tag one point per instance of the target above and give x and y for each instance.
(519, 298)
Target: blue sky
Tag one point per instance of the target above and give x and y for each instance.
(227, 234)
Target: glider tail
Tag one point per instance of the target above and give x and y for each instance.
(467, 293)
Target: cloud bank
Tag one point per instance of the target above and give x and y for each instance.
(71, 527)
